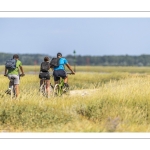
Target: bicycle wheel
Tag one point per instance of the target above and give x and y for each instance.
(56, 90)
(43, 90)
(51, 89)
(66, 90)
(13, 92)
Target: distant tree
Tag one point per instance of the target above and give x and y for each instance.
(106, 60)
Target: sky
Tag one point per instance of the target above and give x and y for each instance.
(87, 36)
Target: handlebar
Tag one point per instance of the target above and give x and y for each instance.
(20, 75)
(69, 73)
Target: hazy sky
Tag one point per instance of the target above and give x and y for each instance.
(87, 36)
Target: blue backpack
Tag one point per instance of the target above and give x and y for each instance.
(10, 64)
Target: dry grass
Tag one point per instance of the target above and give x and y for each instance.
(115, 102)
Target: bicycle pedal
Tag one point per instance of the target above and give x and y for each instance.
(8, 91)
(65, 89)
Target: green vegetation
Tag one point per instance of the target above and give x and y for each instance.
(110, 60)
(100, 102)
(99, 69)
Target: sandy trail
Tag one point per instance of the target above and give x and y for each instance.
(83, 92)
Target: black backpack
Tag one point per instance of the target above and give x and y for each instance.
(10, 64)
(54, 62)
(45, 66)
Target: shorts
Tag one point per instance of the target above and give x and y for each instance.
(16, 78)
(59, 73)
(45, 75)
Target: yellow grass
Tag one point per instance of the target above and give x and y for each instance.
(114, 102)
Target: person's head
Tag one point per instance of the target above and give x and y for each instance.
(46, 58)
(15, 56)
(59, 55)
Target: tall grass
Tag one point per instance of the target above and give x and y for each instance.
(115, 102)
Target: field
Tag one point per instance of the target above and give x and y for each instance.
(102, 99)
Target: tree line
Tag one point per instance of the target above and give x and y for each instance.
(108, 60)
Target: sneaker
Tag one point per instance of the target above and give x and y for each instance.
(66, 87)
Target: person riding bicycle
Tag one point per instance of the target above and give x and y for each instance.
(59, 71)
(14, 73)
(44, 73)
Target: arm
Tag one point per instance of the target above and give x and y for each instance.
(5, 72)
(21, 68)
(69, 67)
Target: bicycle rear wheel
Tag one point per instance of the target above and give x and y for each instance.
(43, 90)
(13, 92)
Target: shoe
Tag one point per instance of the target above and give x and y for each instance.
(8, 91)
(66, 87)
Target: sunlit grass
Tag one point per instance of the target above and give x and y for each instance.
(118, 102)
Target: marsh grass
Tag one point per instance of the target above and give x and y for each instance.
(120, 102)
(100, 69)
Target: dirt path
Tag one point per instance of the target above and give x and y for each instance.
(84, 92)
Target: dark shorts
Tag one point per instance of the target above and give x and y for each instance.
(45, 75)
(59, 73)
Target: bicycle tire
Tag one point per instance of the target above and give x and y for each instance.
(13, 92)
(67, 91)
(56, 90)
(43, 90)
(51, 89)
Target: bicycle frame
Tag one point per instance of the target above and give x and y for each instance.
(12, 86)
(13, 90)
(58, 89)
(43, 88)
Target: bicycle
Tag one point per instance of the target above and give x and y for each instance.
(11, 90)
(43, 91)
(60, 89)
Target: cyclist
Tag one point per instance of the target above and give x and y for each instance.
(44, 73)
(59, 71)
(15, 74)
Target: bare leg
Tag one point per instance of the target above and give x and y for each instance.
(48, 87)
(66, 80)
(17, 89)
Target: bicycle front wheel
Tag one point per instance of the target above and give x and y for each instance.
(51, 89)
(66, 90)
